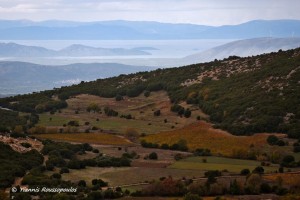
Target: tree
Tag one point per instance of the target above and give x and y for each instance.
(157, 113)
(234, 188)
(265, 188)
(258, 170)
(153, 156)
(93, 107)
(288, 161)
(82, 183)
(146, 93)
(119, 97)
(245, 172)
(187, 113)
(272, 140)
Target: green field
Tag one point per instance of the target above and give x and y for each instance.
(55, 121)
(219, 163)
(128, 175)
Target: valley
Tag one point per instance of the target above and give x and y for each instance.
(169, 132)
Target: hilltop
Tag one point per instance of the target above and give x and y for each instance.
(241, 95)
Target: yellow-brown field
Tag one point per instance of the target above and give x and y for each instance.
(202, 135)
(291, 179)
(92, 138)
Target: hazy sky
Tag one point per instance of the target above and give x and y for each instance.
(211, 12)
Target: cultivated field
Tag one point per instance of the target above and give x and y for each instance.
(220, 163)
(202, 135)
(128, 175)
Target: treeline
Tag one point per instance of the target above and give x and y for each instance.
(181, 145)
(263, 98)
(194, 190)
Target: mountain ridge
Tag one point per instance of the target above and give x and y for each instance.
(77, 50)
(138, 30)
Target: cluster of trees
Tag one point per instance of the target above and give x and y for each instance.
(274, 140)
(289, 161)
(59, 152)
(181, 111)
(15, 164)
(128, 116)
(9, 120)
(110, 112)
(181, 145)
(202, 152)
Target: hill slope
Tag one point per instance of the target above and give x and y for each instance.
(22, 77)
(243, 48)
(241, 95)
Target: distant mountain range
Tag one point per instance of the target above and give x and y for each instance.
(21, 77)
(133, 30)
(75, 50)
(243, 48)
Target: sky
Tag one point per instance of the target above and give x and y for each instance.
(207, 12)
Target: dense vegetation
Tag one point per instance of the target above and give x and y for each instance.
(58, 152)
(10, 119)
(241, 95)
(15, 164)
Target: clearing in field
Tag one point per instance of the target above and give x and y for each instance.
(203, 135)
(92, 138)
(220, 163)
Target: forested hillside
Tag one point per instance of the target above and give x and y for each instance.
(241, 95)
